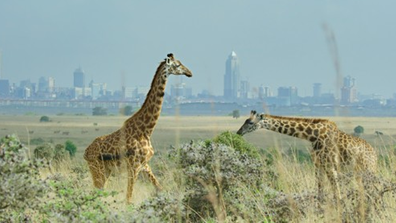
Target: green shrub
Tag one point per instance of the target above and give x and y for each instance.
(236, 114)
(71, 202)
(127, 110)
(358, 130)
(99, 111)
(71, 148)
(237, 142)
(44, 119)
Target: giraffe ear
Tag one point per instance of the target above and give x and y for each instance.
(170, 55)
(253, 112)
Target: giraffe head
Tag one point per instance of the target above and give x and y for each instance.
(251, 124)
(175, 67)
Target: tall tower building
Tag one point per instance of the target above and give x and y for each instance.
(348, 91)
(4, 88)
(79, 78)
(232, 77)
(317, 90)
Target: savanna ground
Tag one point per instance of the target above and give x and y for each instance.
(292, 166)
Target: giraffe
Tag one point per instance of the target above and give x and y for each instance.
(132, 141)
(331, 147)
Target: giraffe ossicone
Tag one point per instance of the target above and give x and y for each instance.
(131, 143)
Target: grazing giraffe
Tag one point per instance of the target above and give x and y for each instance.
(332, 148)
(132, 141)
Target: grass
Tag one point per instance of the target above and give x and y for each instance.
(290, 174)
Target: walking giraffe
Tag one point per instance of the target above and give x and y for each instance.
(132, 141)
(332, 148)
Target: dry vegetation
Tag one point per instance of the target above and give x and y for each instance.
(287, 191)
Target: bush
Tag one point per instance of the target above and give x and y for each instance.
(44, 119)
(60, 153)
(162, 208)
(127, 110)
(21, 184)
(359, 130)
(236, 114)
(71, 148)
(72, 203)
(99, 111)
(49, 152)
(213, 170)
(237, 142)
(45, 151)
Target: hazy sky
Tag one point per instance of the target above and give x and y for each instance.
(279, 43)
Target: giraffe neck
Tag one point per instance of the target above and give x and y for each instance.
(303, 128)
(146, 118)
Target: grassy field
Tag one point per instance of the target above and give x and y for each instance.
(293, 176)
(172, 130)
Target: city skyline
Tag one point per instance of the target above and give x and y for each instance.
(278, 43)
(235, 90)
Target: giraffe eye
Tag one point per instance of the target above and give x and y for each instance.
(249, 122)
(178, 65)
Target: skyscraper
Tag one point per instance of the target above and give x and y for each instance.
(317, 90)
(79, 78)
(348, 91)
(232, 77)
(4, 88)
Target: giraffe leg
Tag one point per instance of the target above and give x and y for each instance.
(107, 172)
(332, 175)
(133, 171)
(319, 174)
(151, 176)
(97, 170)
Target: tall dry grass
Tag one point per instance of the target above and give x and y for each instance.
(291, 184)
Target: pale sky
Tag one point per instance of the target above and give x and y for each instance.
(279, 43)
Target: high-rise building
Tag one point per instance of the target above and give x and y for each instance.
(245, 90)
(348, 91)
(51, 84)
(232, 77)
(4, 88)
(288, 93)
(180, 90)
(79, 78)
(98, 89)
(317, 90)
(42, 85)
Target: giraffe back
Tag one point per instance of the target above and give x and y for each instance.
(357, 151)
(346, 150)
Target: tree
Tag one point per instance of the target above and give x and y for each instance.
(358, 130)
(236, 113)
(71, 148)
(127, 110)
(99, 111)
(44, 119)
